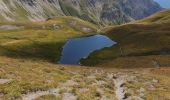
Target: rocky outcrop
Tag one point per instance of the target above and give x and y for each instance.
(96, 11)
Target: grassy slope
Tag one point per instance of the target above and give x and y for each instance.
(40, 40)
(28, 76)
(161, 17)
(25, 53)
(36, 74)
(139, 43)
(31, 76)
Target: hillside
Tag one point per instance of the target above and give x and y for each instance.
(142, 43)
(26, 79)
(31, 41)
(41, 40)
(161, 17)
(100, 12)
(29, 52)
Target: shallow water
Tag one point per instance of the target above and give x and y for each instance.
(78, 48)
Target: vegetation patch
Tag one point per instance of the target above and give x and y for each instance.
(140, 38)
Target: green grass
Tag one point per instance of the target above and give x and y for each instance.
(40, 40)
(48, 97)
(25, 54)
(140, 38)
(161, 17)
(29, 75)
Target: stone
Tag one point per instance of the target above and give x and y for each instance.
(155, 81)
(5, 81)
(69, 96)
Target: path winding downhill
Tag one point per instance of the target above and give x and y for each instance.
(96, 85)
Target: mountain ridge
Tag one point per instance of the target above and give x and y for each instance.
(97, 11)
(131, 70)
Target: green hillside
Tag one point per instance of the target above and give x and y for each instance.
(138, 43)
(161, 17)
(41, 40)
(29, 52)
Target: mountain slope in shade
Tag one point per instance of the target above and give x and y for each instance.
(96, 11)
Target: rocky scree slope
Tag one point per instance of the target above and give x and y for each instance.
(102, 12)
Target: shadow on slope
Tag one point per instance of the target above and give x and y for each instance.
(41, 40)
(48, 51)
(135, 39)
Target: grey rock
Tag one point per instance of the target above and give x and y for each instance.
(10, 27)
(5, 81)
(102, 12)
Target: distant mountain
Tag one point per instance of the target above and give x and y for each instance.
(164, 3)
(96, 11)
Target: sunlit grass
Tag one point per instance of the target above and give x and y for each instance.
(140, 38)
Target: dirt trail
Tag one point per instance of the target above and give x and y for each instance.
(120, 91)
(96, 84)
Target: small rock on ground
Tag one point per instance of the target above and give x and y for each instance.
(5, 81)
(69, 96)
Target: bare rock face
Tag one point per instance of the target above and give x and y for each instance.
(139, 9)
(101, 12)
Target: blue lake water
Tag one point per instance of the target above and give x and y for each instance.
(78, 48)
